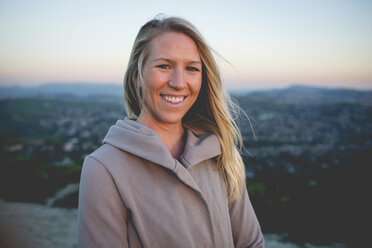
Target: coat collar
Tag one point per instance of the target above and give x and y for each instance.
(139, 140)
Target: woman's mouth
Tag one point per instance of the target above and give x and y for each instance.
(173, 99)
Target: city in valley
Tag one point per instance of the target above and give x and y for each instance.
(306, 152)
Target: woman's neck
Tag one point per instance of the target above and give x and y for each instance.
(175, 142)
(172, 135)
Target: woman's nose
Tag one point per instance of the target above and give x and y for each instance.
(177, 80)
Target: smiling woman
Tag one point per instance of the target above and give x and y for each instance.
(172, 76)
(170, 174)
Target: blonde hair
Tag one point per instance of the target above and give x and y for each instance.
(211, 111)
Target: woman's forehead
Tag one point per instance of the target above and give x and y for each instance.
(174, 46)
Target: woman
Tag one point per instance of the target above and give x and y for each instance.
(169, 175)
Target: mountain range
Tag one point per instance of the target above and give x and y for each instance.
(292, 94)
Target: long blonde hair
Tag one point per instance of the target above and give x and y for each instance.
(211, 111)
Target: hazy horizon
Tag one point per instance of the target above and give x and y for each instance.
(230, 89)
(270, 44)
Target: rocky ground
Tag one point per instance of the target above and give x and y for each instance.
(30, 225)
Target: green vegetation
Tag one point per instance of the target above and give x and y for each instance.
(319, 208)
(31, 179)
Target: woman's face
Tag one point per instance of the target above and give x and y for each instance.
(172, 77)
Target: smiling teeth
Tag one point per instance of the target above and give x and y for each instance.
(173, 99)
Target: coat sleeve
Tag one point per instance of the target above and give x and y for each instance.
(245, 227)
(102, 216)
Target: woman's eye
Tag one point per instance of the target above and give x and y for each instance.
(163, 66)
(191, 68)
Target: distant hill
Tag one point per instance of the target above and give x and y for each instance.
(58, 89)
(294, 94)
(306, 94)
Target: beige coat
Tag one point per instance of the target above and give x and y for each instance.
(133, 193)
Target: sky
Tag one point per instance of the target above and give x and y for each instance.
(260, 44)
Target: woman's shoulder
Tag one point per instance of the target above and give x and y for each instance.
(107, 156)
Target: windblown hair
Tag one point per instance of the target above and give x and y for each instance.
(212, 111)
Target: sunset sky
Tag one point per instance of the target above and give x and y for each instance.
(268, 44)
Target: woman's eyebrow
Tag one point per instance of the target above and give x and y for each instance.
(195, 62)
(168, 60)
(172, 61)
